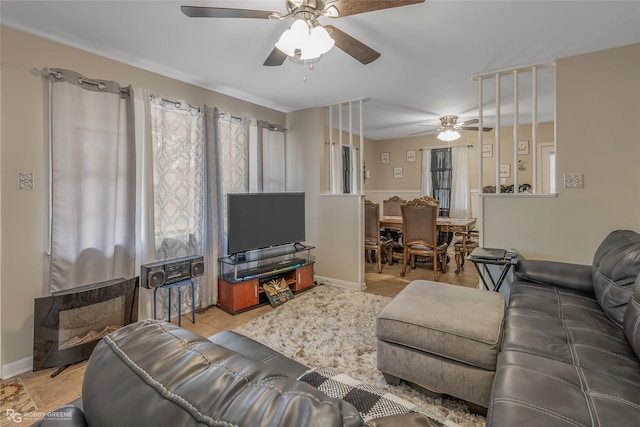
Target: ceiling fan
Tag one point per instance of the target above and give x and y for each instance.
(307, 12)
(450, 127)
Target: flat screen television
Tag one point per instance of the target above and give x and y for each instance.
(262, 220)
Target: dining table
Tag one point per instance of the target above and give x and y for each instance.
(444, 224)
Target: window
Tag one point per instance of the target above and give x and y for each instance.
(441, 174)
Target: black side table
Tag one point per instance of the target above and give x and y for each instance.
(481, 257)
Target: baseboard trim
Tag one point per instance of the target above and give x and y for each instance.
(339, 283)
(18, 367)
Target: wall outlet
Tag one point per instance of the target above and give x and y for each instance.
(573, 180)
(25, 180)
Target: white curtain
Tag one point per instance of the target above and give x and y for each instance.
(273, 160)
(354, 170)
(460, 191)
(426, 184)
(145, 231)
(214, 201)
(177, 135)
(92, 181)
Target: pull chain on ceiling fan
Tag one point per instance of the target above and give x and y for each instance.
(306, 39)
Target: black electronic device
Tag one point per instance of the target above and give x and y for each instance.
(170, 271)
(262, 220)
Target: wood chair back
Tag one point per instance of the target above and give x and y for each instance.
(391, 206)
(419, 219)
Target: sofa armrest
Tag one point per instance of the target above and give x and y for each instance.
(67, 416)
(573, 276)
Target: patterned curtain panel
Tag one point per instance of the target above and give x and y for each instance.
(235, 153)
(177, 134)
(93, 183)
(234, 158)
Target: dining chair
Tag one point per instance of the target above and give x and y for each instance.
(372, 239)
(420, 233)
(472, 242)
(391, 207)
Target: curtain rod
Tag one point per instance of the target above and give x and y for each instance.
(178, 104)
(81, 80)
(450, 146)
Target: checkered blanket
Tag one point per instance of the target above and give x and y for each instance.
(370, 401)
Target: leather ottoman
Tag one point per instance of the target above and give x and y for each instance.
(443, 338)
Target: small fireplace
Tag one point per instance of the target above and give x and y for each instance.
(69, 324)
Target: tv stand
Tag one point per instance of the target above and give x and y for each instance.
(240, 281)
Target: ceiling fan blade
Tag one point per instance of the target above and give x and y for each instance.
(223, 12)
(420, 133)
(276, 57)
(338, 8)
(468, 122)
(353, 47)
(475, 128)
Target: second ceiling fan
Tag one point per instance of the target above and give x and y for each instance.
(316, 38)
(450, 127)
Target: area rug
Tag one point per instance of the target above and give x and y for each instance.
(333, 327)
(14, 402)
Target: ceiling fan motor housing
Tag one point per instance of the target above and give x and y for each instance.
(449, 121)
(310, 5)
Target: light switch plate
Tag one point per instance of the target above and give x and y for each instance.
(25, 180)
(573, 180)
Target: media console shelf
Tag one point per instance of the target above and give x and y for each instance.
(241, 278)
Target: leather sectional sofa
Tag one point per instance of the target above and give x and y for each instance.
(569, 356)
(153, 373)
(571, 341)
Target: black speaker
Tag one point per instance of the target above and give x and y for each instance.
(197, 268)
(171, 271)
(152, 277)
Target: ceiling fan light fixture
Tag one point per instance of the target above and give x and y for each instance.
(290, 40)
(311, 43)
(448, 135)
(319, 42)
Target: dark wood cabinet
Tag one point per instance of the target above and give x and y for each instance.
(240, 286)
(304, 278)
(235, 297)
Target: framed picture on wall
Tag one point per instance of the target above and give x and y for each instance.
(487, 150)
(523, 147)
(505, 170)
(384, 157)
(397, 172)
(411, 156)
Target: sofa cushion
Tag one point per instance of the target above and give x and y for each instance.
(530, 390)
(616, 264)
(154, 373)
(259, 352)
(567, 326)
(632, 319)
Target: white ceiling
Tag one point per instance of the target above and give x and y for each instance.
(430, 51)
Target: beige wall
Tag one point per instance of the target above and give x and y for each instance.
(382, 179)
(23, 145)
(597, 108)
